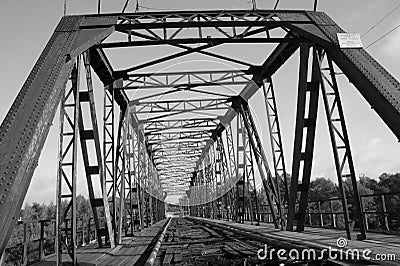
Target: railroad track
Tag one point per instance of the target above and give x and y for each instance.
(190, 241)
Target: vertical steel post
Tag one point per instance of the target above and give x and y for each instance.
(119, 178)
(73, 244)
(67, 168)
(232, 170)
(342, 152)
(308, 93)
(218, 162)
(41, 240)
(140, 177)
(94, 171)
(385, 224)
(321, 218)
(261, 160)
(333, 215)
(127, 176)
(249, 178)
(136, 172)
(275, 137)
(240, 172)
(73, 130)
(109, 152)
(225, 177)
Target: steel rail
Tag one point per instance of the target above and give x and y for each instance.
(150, 261)
(282, 242)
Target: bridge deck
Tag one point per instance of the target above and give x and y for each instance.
(131, 250)
(320, 238)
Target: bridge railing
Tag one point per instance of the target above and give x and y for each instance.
(34, 240)
(378, 211)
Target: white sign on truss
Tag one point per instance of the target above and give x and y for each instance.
(349, 40)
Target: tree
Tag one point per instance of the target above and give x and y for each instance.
(51, 211)
(82, 206)
(322, 188)
(370, 183)
(362, 188)
(390, 183)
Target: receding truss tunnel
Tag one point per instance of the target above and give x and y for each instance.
(187, 133)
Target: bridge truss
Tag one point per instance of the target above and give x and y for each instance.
(189, 133)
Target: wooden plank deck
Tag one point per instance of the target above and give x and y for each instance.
(132, 248)
(128, 253)
(325, 238)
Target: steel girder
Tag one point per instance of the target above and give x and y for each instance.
(134, 208)
(302, 27)
(180, 106)
(25, 128)
(340, 144)
(229, 156)
(355, 63)
(270, 185)
(113, 156)
(145, 175)
(174, 124)
(72, 130)
(178, 140)
(109, 154)
(306, 116)
(276, 59)
(119, 176)
(338, 135)
(91, 133)
(378, 87)
(240, 188)
(141, 192)
(220, 177)
(170, 137)
(233, 27)
(158, 128)
(67, 169)
(251, 204)
(128, 210)
(185, 80)
(274, 129)
(215, 185)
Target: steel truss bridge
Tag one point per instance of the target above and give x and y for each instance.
(191, 133)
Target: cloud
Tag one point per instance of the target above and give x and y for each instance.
(391, 44)
(376, 157)
(375, 142)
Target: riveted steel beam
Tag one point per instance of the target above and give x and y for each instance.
(27, 124)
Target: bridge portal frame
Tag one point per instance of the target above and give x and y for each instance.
(26, 125)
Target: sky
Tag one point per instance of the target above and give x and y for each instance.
(26, 26)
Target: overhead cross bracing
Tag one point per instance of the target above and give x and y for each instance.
(191, 95)
(190, 132)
